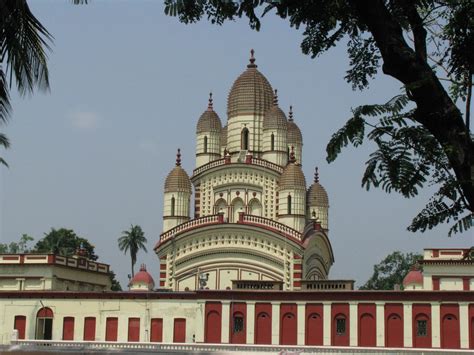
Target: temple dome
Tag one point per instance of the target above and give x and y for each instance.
(250, 94)
(209, 120)
(292, 177)
(178, 180)
(414, 277)
(142, 280)
(275, 118)
(294, 135)
(317, 195)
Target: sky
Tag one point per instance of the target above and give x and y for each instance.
(128, 85)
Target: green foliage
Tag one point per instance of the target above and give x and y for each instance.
(64, 242)
(17, 247)
(115, 284)
(132, 240)
(391, 271)
(406, 159)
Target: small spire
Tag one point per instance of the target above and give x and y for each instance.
(252, 60)
(178, 158)
(143, 267)
(275, 98)
(316, 175)
(209, 106)
(292, 155)
(290, 114)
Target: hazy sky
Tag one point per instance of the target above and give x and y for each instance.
(128, 85)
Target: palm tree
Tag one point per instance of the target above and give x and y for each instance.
(23, 45)
(133, 240)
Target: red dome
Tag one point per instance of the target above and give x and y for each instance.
(413, 277)
(142, 277)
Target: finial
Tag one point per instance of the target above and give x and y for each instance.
(275, 97)
(290, 114)
(209, 105)
(178, 158)
(252, 60)
(292, 155)
(316, 175)
(143, 267)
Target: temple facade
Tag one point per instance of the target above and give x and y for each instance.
(254, 216)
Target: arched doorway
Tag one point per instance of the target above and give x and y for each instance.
(288, 329)
(238, 329)
(394, 331)
(450, 332)
(221, 207)
(255, 207)
(213, 327)
(367, 330)
(314, 329)
(237, 207)
(44, 324)
(263, 329)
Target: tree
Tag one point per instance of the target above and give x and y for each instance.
(115, 284)
(17, 247)
(429, 143)
(64, 242)
(133, 240)
(23, 42)
(391, 271)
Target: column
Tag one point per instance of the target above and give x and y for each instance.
(407, 324)
(464, 324)
(168, 329)
(275, 323)
(327, 323)
(353, 323)
(301, 317)
(250, 322)
(225, 322)
(199, 322)
(380, 322)
(435, 325)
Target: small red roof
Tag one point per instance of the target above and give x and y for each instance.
(142, 277)
(413, 277)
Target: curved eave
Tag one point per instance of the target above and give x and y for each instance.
(241, 226)
(311, 233)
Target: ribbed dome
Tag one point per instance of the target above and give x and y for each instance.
(224, 136)
(294, 134)
(142, 277)
(292, 177)
(250, 94)
(178, 180)
(317, 195)
(209, 120)
(275, 118)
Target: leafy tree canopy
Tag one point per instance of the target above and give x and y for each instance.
(17, 247)
(64, 242)
(391, 271)
(421, 136)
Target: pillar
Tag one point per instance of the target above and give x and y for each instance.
(275, 323)
(407, 325)
(435, 325)
(327, 323)
(225, 329)
(380, 322)
(353, 323)
(301, 317)
(199, 325)
(250, 322)
(464, 324)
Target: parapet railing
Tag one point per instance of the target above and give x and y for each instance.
(274, 225)
(100, 346)
(327, 285)
(209, 165)
(267, 164)
(197, 222)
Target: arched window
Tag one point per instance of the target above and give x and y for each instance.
(272, 140)
(173, 204)
(205, 144)
(288, 201)
(244, 144)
